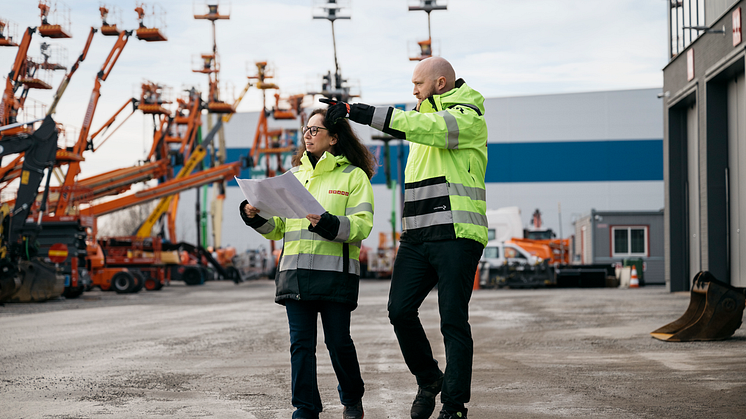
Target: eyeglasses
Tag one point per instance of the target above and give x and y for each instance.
(314, 130)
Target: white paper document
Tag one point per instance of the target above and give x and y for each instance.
(281, 196)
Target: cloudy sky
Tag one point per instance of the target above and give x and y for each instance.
(500, 47)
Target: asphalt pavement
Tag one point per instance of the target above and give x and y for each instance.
(221, 350)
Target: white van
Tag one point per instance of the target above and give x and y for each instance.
(498, 253)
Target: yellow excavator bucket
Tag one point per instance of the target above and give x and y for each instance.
(714, 313)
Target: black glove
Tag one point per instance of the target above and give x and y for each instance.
(335, 111)
(357, 112)
(255, 222)
(327, 227)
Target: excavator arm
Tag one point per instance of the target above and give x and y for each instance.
(39, 149)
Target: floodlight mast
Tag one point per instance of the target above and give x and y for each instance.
(428, 6)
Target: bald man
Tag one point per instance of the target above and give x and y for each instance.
(444, 226)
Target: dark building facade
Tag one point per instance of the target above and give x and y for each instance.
(704, 143)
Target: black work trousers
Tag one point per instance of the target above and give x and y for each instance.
(451, 264)
(335, 318)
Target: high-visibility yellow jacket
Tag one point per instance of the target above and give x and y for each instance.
(313, 267)
(444, 177)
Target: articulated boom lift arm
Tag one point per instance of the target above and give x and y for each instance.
(11, 83)
(197, 156)
(63, 86)
(174, 186)
(74, 166)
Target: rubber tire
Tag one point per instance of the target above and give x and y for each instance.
(193, 276)
(73, 292)
(123, 282)
(140, 278)
(152, 284)
(157, 285)
(233, 274)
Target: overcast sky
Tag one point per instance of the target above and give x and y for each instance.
(500, 47)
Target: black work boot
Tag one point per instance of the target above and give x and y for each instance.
(446, 415)
(354, 412)
(424, 402)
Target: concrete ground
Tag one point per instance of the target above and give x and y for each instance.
(221, 351)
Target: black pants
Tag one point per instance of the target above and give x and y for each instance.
(451, 264)
(335, 318)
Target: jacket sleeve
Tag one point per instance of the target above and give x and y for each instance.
(357, 222)
(272, 229)
(456, 128)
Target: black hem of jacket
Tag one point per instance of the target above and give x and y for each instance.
(299, 284)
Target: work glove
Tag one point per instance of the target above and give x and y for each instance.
(327, 227)
(255, 222)
(357, 112)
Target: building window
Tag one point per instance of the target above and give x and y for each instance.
(629, 241)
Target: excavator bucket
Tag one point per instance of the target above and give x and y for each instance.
(35, 281)
(714, 313)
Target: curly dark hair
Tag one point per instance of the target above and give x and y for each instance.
(348, 145)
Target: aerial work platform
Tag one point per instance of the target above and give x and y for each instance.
(155, 31)
(55, 23)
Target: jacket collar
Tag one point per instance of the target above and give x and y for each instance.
(461, 94)
(326, 163)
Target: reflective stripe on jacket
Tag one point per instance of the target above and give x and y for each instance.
(444, 178)
(312, 267)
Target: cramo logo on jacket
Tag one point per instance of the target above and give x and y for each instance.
(333, 192)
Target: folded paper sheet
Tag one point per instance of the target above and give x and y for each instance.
(281, 196)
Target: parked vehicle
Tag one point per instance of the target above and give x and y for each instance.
(507, 264)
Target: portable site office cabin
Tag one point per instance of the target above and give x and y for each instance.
(605, 237)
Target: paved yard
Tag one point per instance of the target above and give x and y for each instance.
(221, 351)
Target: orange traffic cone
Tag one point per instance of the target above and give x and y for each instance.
(633, 281)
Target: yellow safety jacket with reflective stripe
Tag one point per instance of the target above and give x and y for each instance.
(444, 178)
(312, 267)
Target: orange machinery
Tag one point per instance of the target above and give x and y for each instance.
(21, 75)
(12, 170)
(266, 141)
(74, 156)
(271, 143)
(24, 71)
(541, 243)
(63, 215)
(154, 264)
(425, 46)
(59, 29)
(556, 251)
